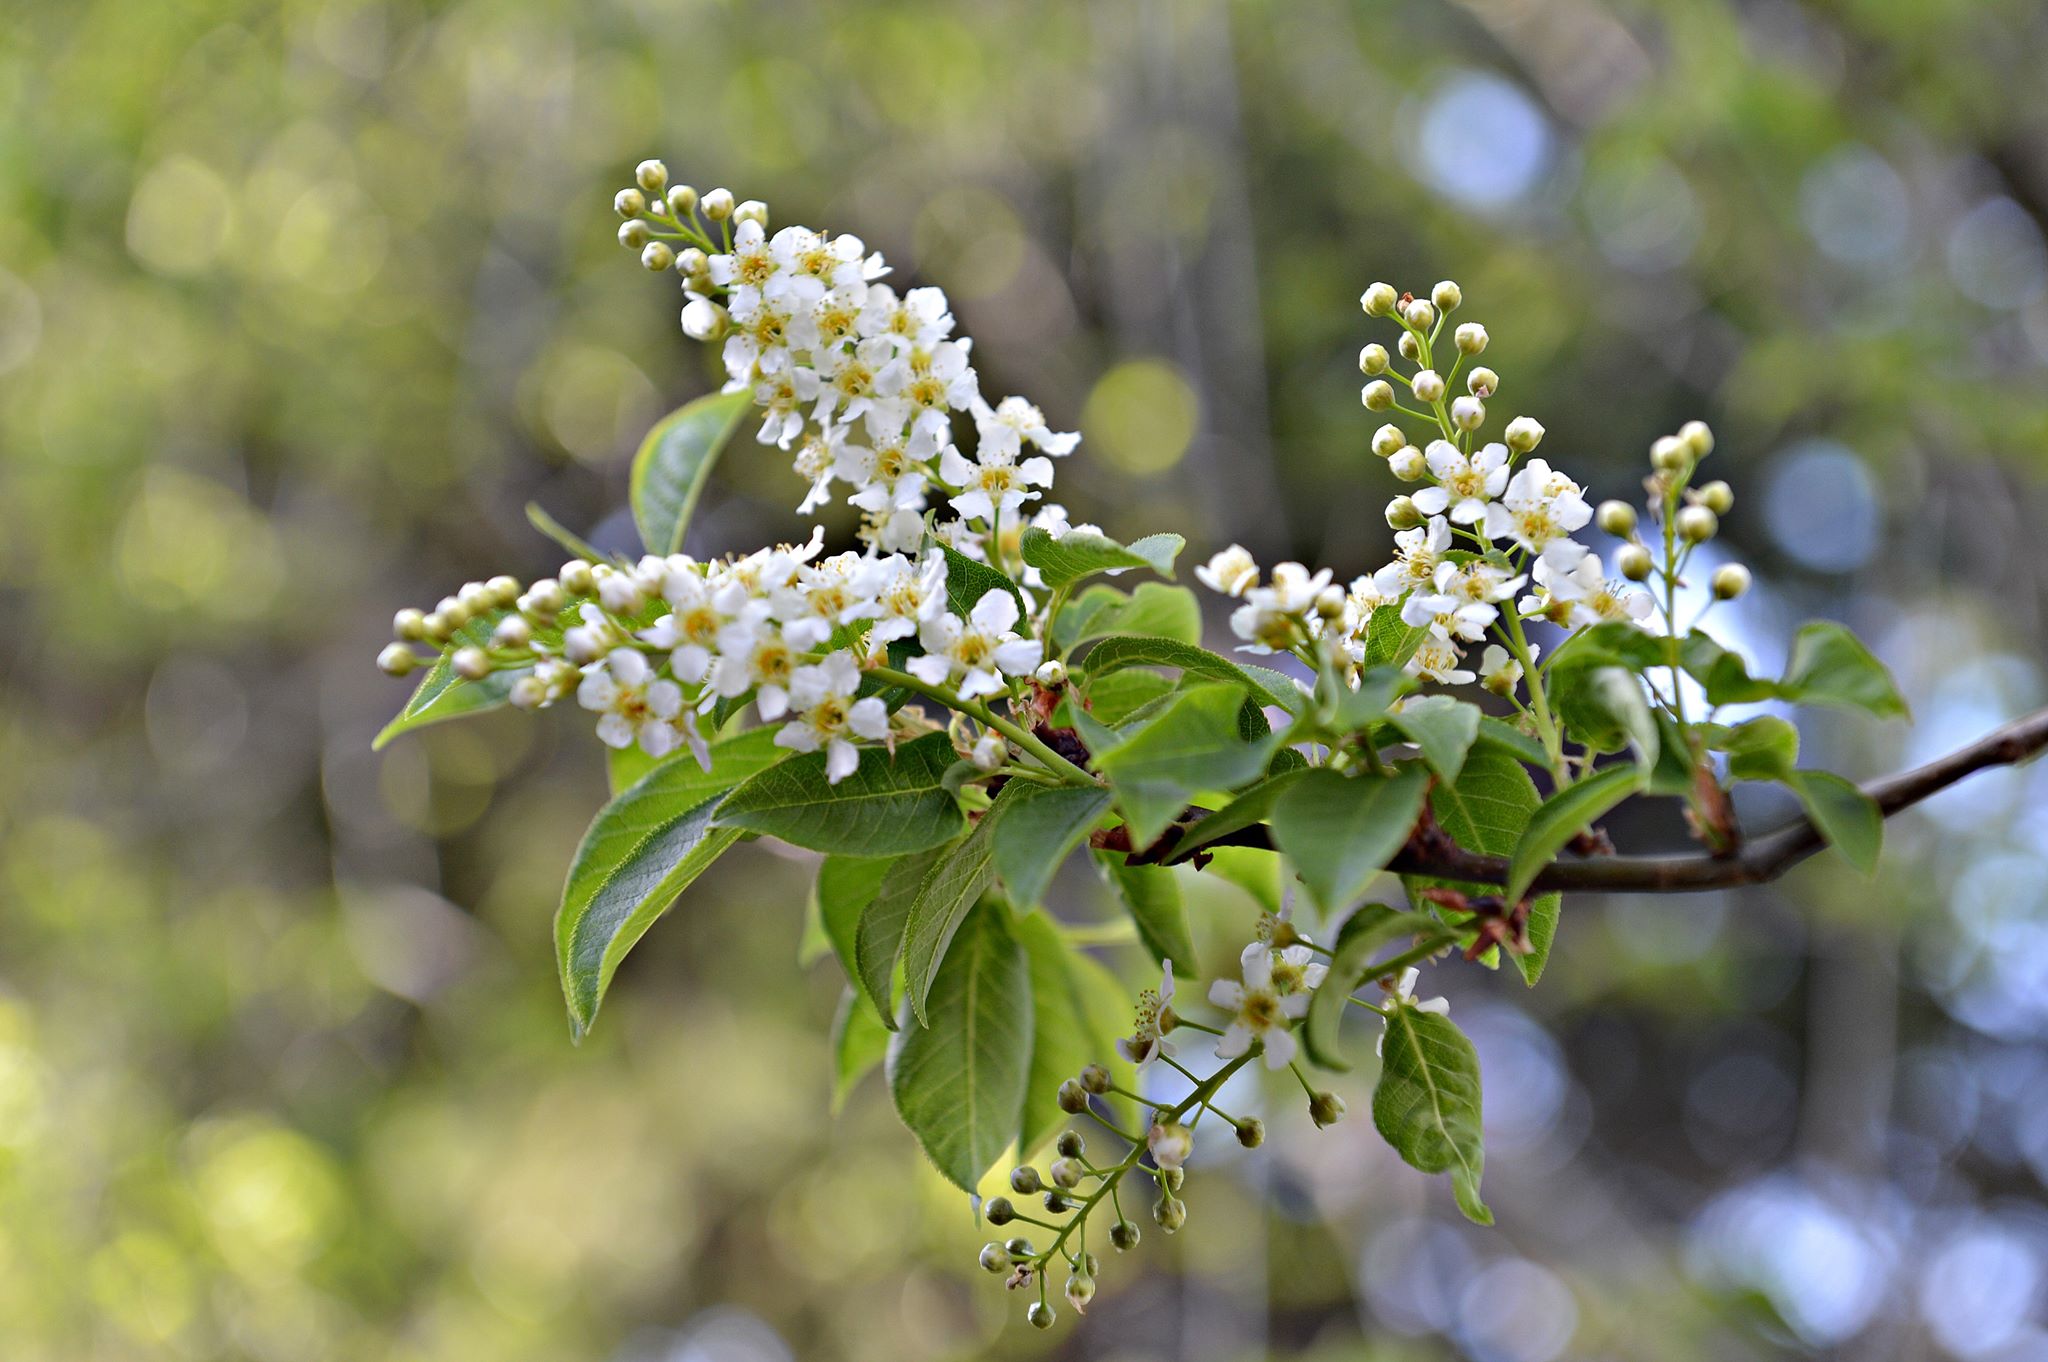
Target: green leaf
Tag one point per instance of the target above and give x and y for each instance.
(625, 766)
(1340, 831)
(1723, 674)
(1255, 805)
(1119, 698)
(1562, 817)
(1846, 816)
(442, 695)
(1155, 610)
(642, 849)
(1605, 709)
(1361, 706)
(886, 807)
(1830, 666)
(1195, 744)
(674, 462)
(959, 1083)
(968, 581)
(846, 886)
(1442, 727)
(878, 939)
(1364, 934)
(1388, 641)
(955, 885)
(1040, 827)
(1427, 1102)
(560, 533)
(1078, 554)
(1282, 687)
(1075, 1011)
(1505, 737)
(1151, 896)
(1487, 810)
(859, 1040)
(1764, 748)
(1677, 764)
(1114, 654)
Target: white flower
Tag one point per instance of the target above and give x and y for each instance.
(1468, 483)
(823, 597)
(691, 628)
(992, 485)
(1404, 996)
(1570, 572)
(905, 595)
(753, 655)
(988, 751)
(1232, 571)
(827, 716)
(1148, 1042)
(636, 707)
(919, 319)
(1416, 555)
(1025, 422)
(1272, 617)
(1499, 672)
(1477, 581)
(1437, 660)
(1448, 617)
(927, 384)
(1295, 969)
(1259, 1011)
(1169, 1143)
(982, 649)
(1540, 507)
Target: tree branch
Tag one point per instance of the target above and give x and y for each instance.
(1765, 858)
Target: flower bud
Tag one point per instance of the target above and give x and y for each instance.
(1669, 454)
(1419, 314)
(1067, 1173)
(1073, 1098)
(1730, 581)
(1468, 413)
(1057, 1202)
(753, 210)
(1330, 603)
(692, 260)
(1373, 360)
(999, 1210)
(1718, 497)
(1020, 1247)
(1633, 562)
(1402, 513)
(1482, 381)
(1095, 1078)
(512, 632)
(1326, 1108)
(1053, 673)
(1123, 1236)
(1408, 464)
(1524, 433)
(503, 590)
(635, 234)
(995, 1260)
(475, 597)
(1617, 518)
(1447, 295)
(397, 659)
(657, 256)
(989, 751)
(1378, 300)
(1251, 1132)
(1170, 1211)
(543, 600)
(718, 205)
(471, 664)
(439, 628)
(629, 203)
(1471, 338)
(704, 320)
(576, 578)
(453, 610)
(1387, 439)
(409, 624)
(1040, 1314)
(1070, 1144)
(620, 594)
(1429, 385)
(1080, 1290)
(1696, 524)
(1697, 438)
(1172, 1178)
(1410, 348)
(528, 692)
(651, 176)
(584, 645)
(1170, 1143)
(1377, 395)
(682, 200)
(1024, 1181)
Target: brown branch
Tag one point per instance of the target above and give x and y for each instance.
(1763, 858)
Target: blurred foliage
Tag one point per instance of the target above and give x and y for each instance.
(300, 302)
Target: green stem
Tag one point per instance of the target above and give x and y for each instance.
(974, 709)
(1546, 726)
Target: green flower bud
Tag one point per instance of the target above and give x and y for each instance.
(1051, 674)
(635, 234)
(1094, 1078)
(410, 624)
(454, 611)
(1633, 562)
(1379, 300)
(1524, 433)
(1067, 1172)
(1419, 314)
(1410, 348)
(503, 589)
(691, 260)
(753, 210)
(543, 600)
(397, 659)
(1471, 338)
(1718, 497)
(1468, 413)
(629, 203)
(1617, 518)
(1482, 381)
(1330, 603)
(576, 578)
(1170, 1212)
(1019, 1248)
(1669, 454)
(1326, 1108)
(1696, 524)
(512, 632)
(1057, 1202)
(438, 628)
(1402, 514)
(1408, 464)
(1080, 1290)
(1697, 438)
(528, 692)
(1730, 581)
(657, 256)
(1447, 295)
(1123, 1236)
(1071, 1144)
(1172, 1178)
(475, 597)
(471, 664)
(1377, 395)
(682, 201)
(999, 1210)
(1251, 1132)
(651, 176)
(1024, 1181)
(1073, 1098)
(1428, 385)
(718, 205)
(994, 1259)
(1387, 439)
(1040, 1314)
(1373, 360)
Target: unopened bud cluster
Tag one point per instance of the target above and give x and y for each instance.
(1686, 516)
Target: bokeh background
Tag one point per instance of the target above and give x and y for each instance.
(301, 302)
